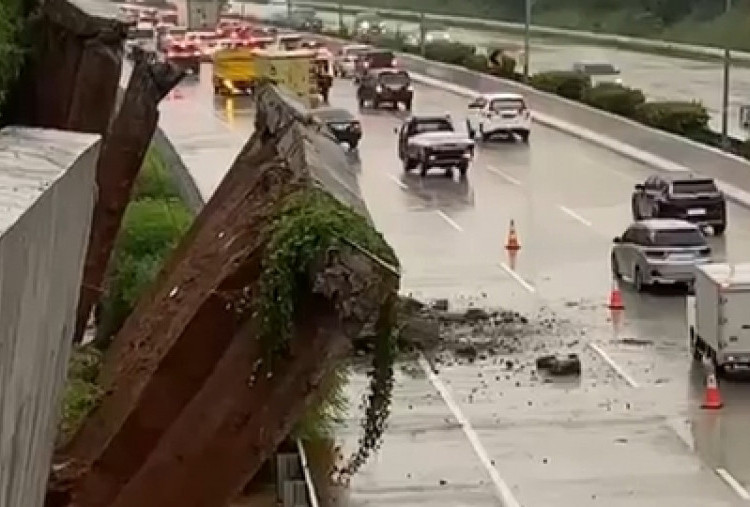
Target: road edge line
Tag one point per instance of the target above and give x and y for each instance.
(733, 193)
(501, 487)
(507, 177)
(612, 364)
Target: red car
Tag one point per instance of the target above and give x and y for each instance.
(187, 55)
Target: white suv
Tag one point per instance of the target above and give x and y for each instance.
(499, 113)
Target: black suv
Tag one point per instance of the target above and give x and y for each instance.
(373, 59)
(391, 86)
(425, 142)
(696, 200)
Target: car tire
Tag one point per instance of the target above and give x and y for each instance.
(694, 350)
(408, 164)
(361, 103)
(482, 135)
(615, 268)
(423, 169)
(353, 144)
(463, 169)
(470, 131)
(634, 208)
(525, 134)
(719, 229)
(407, 105)
(638, 280)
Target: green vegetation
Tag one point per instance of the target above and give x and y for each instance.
(690, 21)
(309, 225)
(154, 222)
(81, 392)
(11, 52)
(615, 98)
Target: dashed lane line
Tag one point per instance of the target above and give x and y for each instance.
(507, 177)
(502, 489)
(398, 182)
(518, 278)
(448, 219)
(733, 483)
(575, 216)
(611, 362)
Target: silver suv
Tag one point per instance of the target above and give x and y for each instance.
(659, 251)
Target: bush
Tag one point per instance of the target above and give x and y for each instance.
(478, 63)
(615, 98)
(568, 84)
(502, 65)
(454, 53)
(683, 118)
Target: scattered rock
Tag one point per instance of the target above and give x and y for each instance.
(443, 482)
(545, 362)
(636, 342)
(475, 315)
(440, 305)
(565, 366)
(468, 351)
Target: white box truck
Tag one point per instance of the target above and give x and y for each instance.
(718, 315)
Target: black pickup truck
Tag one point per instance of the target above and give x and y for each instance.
(697, 200)
(425, 142)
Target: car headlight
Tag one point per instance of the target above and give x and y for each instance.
(378, 88)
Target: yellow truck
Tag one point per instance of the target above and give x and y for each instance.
(293, 71)
(234, 71)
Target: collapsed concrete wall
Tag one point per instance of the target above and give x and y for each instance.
(71, 78)
(191, 411)
(47, 195)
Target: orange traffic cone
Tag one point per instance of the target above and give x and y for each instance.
(615, 298)
(712, 398)
(512, 243)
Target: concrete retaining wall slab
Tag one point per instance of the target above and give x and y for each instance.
(47, 194)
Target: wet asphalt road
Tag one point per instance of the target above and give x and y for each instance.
(660, 77)
(611, 440)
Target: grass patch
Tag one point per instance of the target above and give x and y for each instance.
(81, 392)
(154, 222)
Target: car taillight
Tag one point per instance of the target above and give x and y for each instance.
(171, 54)
(196, 53)
(365, 64)
(656, 254)
(394, 63)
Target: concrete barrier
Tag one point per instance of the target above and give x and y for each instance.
(47, 184)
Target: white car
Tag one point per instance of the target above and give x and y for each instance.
(346, 58)
(499, 113)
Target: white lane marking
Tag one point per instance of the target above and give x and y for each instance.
(398, 182)
(502, 489)
(448, 219)
(733, 483)
(618, 369)
(503, 175)
(526, 285)
(575, 216)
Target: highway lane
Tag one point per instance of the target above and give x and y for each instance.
(568, 199)
(660, 77)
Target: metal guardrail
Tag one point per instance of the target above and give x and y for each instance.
(610, 39)
(312, 494)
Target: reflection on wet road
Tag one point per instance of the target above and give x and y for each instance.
(606, 441)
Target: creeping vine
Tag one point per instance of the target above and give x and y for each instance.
(310, 223)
